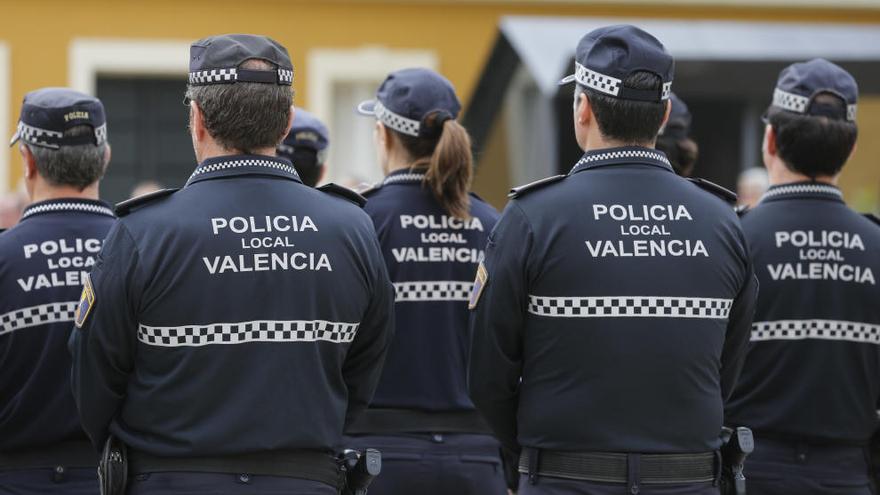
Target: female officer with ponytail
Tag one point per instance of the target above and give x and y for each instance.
(432, 232)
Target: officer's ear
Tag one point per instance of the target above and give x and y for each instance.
(667, 114)
(583, 111)
(30, 163)
(197, 121)
(108, 153)
(290, 121)
(383, 137)
(770, 147)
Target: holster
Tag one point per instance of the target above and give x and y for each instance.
(738, 444)
(360, 469)
(113, 467)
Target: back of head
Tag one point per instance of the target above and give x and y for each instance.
(241, 84)
(419, 108)
(627, 75)
(66, 133)
(306, 146)
(674, 139)
(813, 117)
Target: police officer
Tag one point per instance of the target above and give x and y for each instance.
(62, 137)
(810, 386)
(306, 146)
(230, 329)
(675, 141)
(612, 310)
(432, 233)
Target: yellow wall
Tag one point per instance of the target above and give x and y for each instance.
(460, 32)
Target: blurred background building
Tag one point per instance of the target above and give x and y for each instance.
(504, 58)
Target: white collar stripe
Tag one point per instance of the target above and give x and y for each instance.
(618, 155)
(794, 189)
(216, 167)
(404, 178)
(66, 206)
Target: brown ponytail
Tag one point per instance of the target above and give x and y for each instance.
(450, 165)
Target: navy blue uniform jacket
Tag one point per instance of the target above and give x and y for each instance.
(431, 258)
(812, 371)
(612, 311)
(43, 261)
(246, 312)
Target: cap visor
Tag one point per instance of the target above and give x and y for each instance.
(367, 108)
(566, 80)
(15, 138)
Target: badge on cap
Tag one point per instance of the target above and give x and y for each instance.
(479, 285)
(86, 301)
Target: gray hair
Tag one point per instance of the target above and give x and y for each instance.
(79, 165)
(245, 116)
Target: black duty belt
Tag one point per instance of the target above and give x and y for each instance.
(304, 464)
(608, 467)
(379, 421)
(73, 454)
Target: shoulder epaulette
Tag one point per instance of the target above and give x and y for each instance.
(533, 186)
(741, 210)
(872, 217)
(127, 206)
(365, 188)
(721, 192)
(345, 192)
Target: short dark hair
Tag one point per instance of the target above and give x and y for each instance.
(629, 121)
(309, 164)
(814, 145)
(245, 116)
(78, 165)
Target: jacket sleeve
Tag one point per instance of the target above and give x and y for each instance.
(102, 345)
(499, 304)
(363, 363)
(739, 330)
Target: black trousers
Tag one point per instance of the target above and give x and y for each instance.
(45, 481)
(781, 468)
(223, 484)
(546, 485)
(436, 464)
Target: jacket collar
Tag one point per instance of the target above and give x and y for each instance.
(803, 190)
(406, 176)
(628, 155)
(68, 205)
(242, 165)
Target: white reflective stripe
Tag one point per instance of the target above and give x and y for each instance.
(630, 306)
(438, 290)
(619, 155)
(246, 162)
(248, 331)
(851, 331)
(32, 316)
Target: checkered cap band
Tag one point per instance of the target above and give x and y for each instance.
(667, 90)
(248, 331)
(626, 306)
(437, 290)
(39, 137)
(231, 164)
(594, 80)
(397, 122)
(58, 312)
(849, 331)
(230, 75)
(798, 104)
